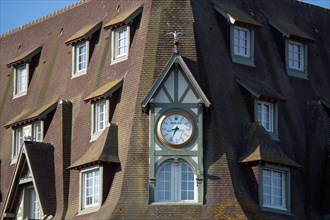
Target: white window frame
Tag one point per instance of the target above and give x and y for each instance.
(75, 59)
(292, 70)
(242, 58)
(32, 128)
(239, 38)
(116, 57)
(285, 186)
(293, 53)
(18, 139)
(96, 131)
(17, 92)
(83, 207)
(262, 120)
(176, 175)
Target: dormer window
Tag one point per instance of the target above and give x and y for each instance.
(296, 44)
(30, 126)
(242, 27)
(82, 47)
(21, 80)
(296, 56)
(123, 27)
(31, 132)
(120, 43)
(100, 116)
(242, 42)
(101, 100)
(24, 66)
(80, 55)
(265, 115)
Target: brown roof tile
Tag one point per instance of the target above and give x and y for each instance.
(42, 172)
(290, 30)
(42, 169)
(84, 33)
(24, 57)
(124, 17)
(104, 149)
(235, 16)
(28, 115)
(105, 90)
(261, 147)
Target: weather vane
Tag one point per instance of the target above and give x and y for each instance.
(176, 40)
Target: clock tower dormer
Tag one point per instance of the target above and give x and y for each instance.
(175, 106)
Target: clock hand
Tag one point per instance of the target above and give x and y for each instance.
(175, 130)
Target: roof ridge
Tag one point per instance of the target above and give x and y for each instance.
(43, 18)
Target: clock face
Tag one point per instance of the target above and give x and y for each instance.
(175, 128)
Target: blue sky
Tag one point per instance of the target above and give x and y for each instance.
(15, 13)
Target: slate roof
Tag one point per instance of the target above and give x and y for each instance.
(84, 33)
(24, 57)
(103, 150)
(260, 90)
(205, 49)
(290, 30)
(105, 90)
(29, 115)
(124, 17)
(260, 146)
(43, 176)
(235, 15)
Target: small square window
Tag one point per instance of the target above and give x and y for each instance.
(91, 189)
(21, 80)
(120, 43)
(80, 58)
(296, 56)
(275, 188)
(266, 115)
(241, 42)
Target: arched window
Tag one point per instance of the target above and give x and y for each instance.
(175, 183)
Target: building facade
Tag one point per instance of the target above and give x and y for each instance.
(153, 109)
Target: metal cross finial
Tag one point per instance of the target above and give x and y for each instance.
(176, 40)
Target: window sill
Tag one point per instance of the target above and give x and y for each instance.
(13, 160)
(248, 61)
(77, 74)
(278, 210)
(119, 59)
(274, 136)
(297, 73)
(20, 94)
(96, 135)
(89, 210)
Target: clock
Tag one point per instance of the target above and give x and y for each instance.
(175, 128)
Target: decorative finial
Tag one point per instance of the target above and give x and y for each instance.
(176, 40)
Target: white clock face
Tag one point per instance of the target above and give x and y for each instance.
(175, 128)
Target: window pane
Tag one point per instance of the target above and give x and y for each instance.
(241, 42)
(187, 182)
(21, 79)
(91, 187)
(164, 183)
